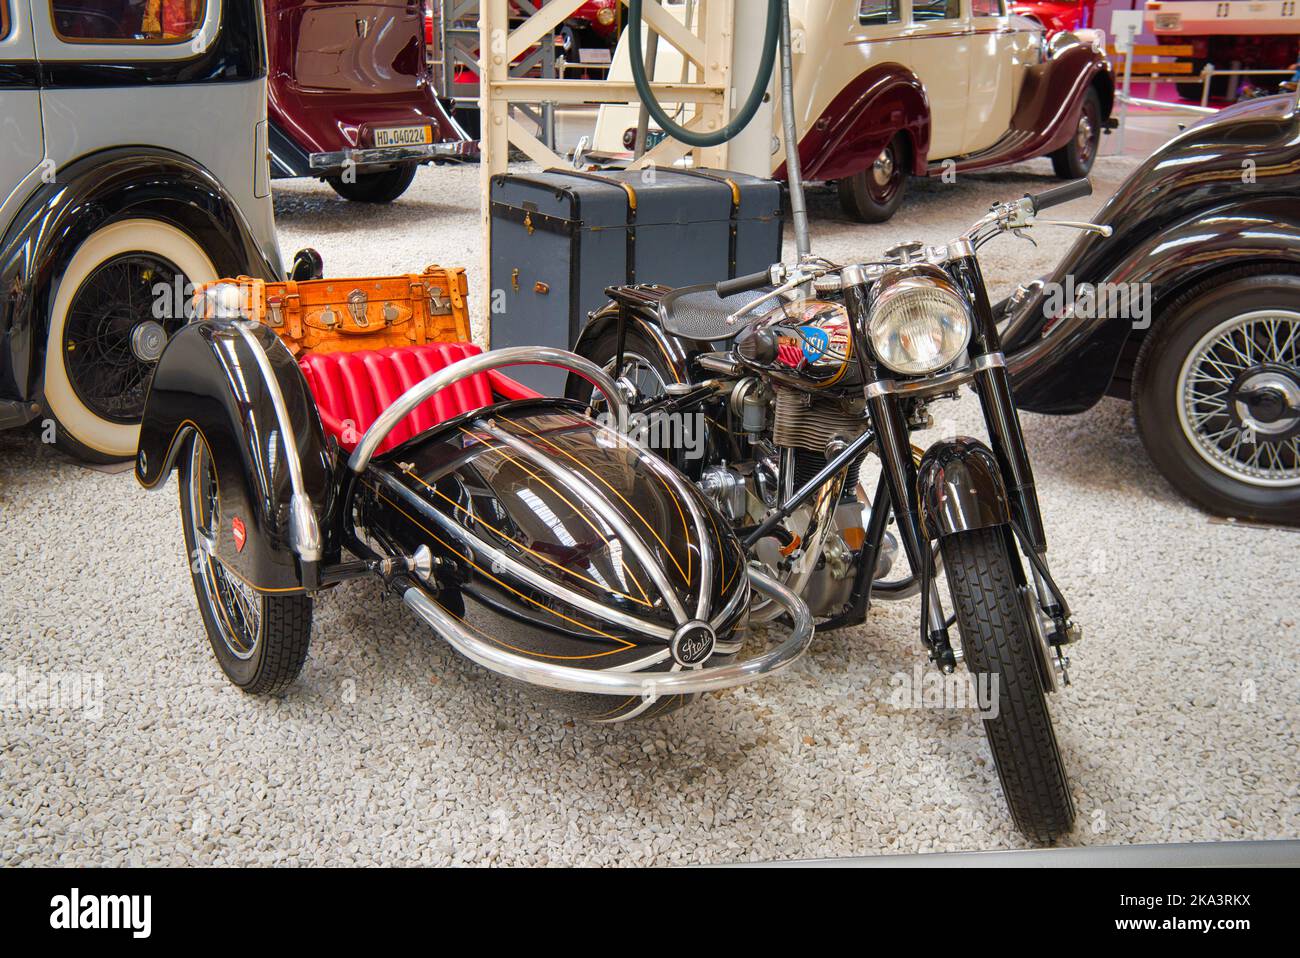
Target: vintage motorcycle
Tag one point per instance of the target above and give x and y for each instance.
(546, 545)
(822, 366)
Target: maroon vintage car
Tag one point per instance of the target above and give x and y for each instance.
(351, 99)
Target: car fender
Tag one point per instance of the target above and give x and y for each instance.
(960, 488)
(861, 120)
(1154, 270)
(209, 384)
(86, 195)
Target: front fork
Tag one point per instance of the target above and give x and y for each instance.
(993, 385)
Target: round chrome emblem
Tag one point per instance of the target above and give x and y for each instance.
(692, 644)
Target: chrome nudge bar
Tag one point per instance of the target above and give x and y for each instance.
(472, 366)
(648, 685)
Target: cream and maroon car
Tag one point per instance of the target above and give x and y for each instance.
(891, 88)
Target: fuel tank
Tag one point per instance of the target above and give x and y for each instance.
(562, 541)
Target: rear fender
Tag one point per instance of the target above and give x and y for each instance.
(208, 384)
(643, 316)
(960, 488)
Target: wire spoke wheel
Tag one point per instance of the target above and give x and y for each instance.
(1239, 397)
(237, 605)
(112, 339)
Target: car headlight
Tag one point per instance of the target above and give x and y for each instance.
(605, 16)
(920, 322)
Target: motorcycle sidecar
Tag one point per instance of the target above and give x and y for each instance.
(538, 542)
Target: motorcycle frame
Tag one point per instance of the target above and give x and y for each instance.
(987, 373)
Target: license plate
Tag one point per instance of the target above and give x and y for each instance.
(403, 135)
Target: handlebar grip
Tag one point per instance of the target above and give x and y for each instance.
(1061, 194)
(743, 284)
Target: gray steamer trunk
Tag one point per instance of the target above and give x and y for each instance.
(560, 237)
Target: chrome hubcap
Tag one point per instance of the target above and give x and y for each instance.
(147, 341)
(882, 171)
(1238, 391)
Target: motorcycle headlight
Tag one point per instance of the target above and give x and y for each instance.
(920, 322)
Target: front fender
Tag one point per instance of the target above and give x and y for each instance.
(960, 488)
(121, 183)
(861, 120)
(208, 384)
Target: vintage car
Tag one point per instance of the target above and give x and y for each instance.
(887, 89)
(1191, 309)
(1057, 16)
(134, 164)
(351, 98)
(597, 23)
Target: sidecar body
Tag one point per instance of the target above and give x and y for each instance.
(537, 541)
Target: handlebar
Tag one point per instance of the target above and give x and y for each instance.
(744, 284)
(1074, 190)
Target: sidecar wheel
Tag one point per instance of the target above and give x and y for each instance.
(998, 642)
(260, 640)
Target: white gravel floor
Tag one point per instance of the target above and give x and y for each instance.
(1181, 724)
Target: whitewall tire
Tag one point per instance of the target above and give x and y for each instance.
(86, 297)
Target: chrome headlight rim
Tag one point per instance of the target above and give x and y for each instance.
(904, 288)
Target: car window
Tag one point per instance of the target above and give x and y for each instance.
(127, 21)
(875, 12)
(923, 10)
(986, 8)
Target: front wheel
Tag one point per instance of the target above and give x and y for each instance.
(873, 195)
(997, 642)
(1074, 160)
(122, 295)
(381, 187)
(260, 640)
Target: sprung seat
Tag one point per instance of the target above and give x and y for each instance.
(352, 389)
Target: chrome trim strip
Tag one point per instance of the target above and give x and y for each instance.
(470, 366)
(538, 581)
(304, 530)
(588, 493)
(604, 682)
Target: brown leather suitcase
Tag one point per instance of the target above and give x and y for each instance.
(373, 312)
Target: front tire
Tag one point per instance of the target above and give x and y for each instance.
(874, 195)
(382, 187)
(1215, 346)
(108, 323)
(260, 640)
(997, 641)
(1074, 160)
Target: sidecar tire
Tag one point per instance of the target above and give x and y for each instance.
(278, 654)
(997, 640)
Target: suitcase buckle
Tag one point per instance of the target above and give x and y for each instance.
(357, 303)
(437, 305)
(273, 308)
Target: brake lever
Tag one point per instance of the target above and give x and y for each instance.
(1097, 228)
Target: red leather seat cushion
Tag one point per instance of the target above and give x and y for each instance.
(352, 389)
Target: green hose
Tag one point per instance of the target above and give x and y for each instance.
(636, 53)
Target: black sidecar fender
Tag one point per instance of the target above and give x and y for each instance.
(209, 384)
(960, 488)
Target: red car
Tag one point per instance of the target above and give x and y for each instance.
(1057, 16)
(350, 97)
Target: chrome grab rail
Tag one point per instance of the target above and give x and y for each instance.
(647, 685)
(472, 366)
